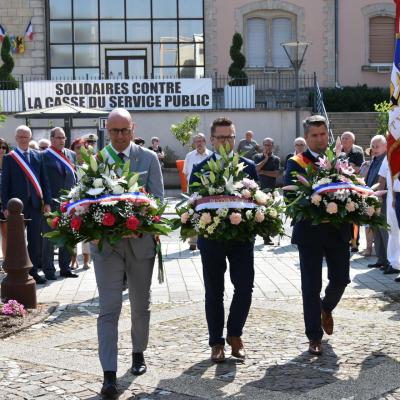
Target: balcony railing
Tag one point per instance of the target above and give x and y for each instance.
(268, 91)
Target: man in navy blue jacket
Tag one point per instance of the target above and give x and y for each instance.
(25, 177)
(240, 255)
(316, 241)
(60, 166)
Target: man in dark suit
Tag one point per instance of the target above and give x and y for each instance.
(60, 166)
(316, 241)
(241, 264)
(25, 177)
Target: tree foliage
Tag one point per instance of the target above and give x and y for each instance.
(184, 130)
(383, 117)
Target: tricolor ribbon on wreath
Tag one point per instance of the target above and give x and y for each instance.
(136, 197)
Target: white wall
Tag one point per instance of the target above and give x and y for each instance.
(280, 125)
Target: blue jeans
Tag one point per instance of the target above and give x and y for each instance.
(241, 268)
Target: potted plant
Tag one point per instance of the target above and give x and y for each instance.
(9, 93)
(183, 132)
(238, 94)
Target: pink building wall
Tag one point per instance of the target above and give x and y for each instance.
(318, 27)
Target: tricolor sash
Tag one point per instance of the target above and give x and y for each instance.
(27, 170)
(109, 153)
(138, 198)
(60, 156)
(222, 201)
(302, 160)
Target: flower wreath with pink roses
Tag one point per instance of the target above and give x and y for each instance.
(332, 192)
(227, 205)
(107, 204)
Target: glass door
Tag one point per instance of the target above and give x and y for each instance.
(126, 64)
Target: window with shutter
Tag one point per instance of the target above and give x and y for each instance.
(281, 32)
(381, 39)
(256, 42)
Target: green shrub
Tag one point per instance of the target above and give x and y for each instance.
(7, 81)
(239, 77)
(354, 98)
(184, 130)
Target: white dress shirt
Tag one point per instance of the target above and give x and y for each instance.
(192, 158)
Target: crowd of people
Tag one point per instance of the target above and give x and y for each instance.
(36, 173)
(370, 163)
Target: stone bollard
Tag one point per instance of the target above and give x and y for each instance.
(18, 284)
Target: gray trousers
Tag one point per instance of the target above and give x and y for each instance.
(110, 266)
(381, 238)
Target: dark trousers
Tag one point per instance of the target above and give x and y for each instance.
(241, 268)
(34, 234)
(64, 257)
(338, 261)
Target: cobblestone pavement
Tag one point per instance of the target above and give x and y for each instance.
(57, 359)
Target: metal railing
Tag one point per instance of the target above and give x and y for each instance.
(319, 107)
(263, 91)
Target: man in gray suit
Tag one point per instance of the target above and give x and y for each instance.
(134, 256)
(59, 163)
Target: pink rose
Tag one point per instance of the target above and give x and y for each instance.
(132, 223)
(54, 222)
(316, 199)
(235, 218)
(370, 211)
(184, 217)
(206, 218)
(350, 206)
(259, 217)
(331, 208)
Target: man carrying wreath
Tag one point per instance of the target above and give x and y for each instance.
(214, 253)
(316, 242)
(134, 256)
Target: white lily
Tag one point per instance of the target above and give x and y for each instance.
(118, 189)
(93, 164)
(95, 191)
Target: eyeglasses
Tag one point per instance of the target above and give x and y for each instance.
(43, 147)
(223, 138)
(91, 141)
(59, 137)
(4, 147)
(299, 144)
(124, 131)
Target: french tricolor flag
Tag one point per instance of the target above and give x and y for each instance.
(29, 31)
(2, 33)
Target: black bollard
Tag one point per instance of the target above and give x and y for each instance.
(18, 284)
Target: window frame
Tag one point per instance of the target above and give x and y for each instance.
(125, 19)
(268, 16)
(378, 64)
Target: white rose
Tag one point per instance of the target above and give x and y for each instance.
(249, 214)
(98, 183)
(246, 193)
(260, 197)
(118, 189)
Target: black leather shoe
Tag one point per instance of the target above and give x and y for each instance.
(109, 389)
(40, 280)
(376, 265)
(397, 279)
(390, 270)
(69, 274)
(51, 277)
(138, 364)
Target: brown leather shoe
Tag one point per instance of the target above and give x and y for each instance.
(217, 353)
(327, 321)
(237, 346)
(315, 347)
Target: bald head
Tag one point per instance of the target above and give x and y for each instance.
(378, 145)
(120, 127)
(23, 135)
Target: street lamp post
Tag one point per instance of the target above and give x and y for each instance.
(296, 52)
